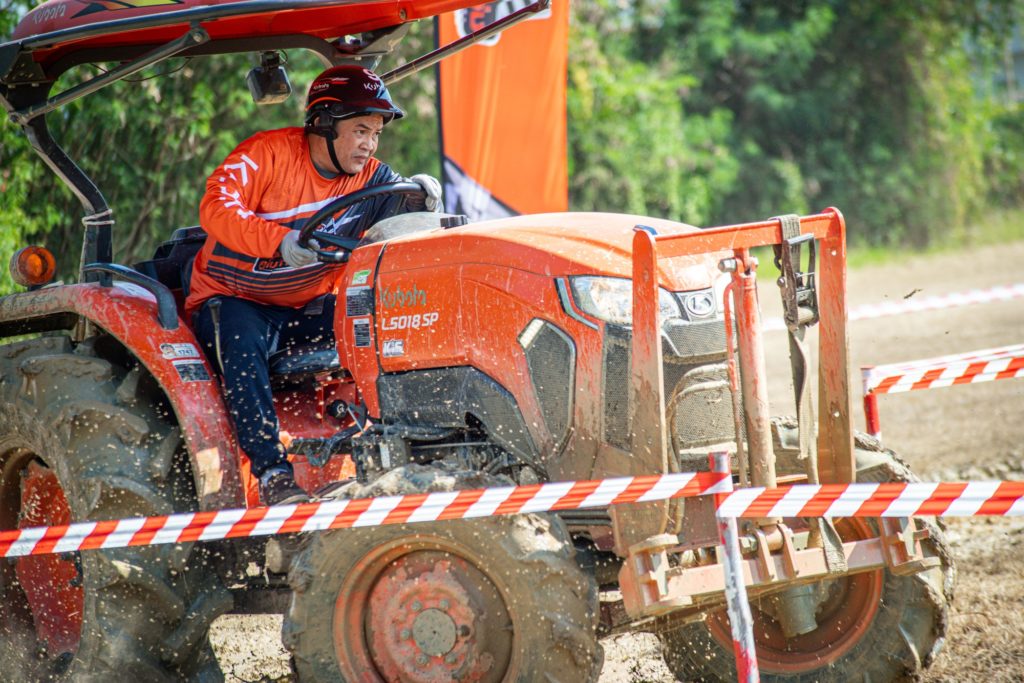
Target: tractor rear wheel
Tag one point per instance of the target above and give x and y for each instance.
(82, 438)
(488, 600)
(873, 626)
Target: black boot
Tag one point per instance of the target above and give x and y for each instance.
(278, 487)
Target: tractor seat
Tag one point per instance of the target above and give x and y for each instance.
(172, 262)
(299, 361)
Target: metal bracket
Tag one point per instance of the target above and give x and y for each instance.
(319, 451)
(194, 36)
(436, 56)
(901, 539)
(644, 576)
(799, 288)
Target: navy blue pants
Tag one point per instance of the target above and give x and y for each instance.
(249, 334)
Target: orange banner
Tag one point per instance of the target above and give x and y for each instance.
(502, 107)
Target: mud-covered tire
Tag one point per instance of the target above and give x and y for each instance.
(102, 430)
(905, 631)
(359, 596)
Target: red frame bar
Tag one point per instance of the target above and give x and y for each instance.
(835, 429)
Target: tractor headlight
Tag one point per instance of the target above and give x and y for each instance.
(611, 299)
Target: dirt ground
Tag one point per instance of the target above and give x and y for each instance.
(967, 432)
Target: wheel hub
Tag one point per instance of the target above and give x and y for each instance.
(434, 632)
(433, 617)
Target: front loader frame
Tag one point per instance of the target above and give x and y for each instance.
(835, 432)
(651, 584)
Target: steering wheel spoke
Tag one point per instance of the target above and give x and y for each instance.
(332, 248)
(343, 245)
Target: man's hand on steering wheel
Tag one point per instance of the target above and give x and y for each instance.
(343, 246)
(295, 255)
(432, 191)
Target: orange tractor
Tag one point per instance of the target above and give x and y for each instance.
(539, 348)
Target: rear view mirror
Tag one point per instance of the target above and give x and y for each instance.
(268, 83)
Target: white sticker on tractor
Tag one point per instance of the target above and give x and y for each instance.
(171, 351)
(191, 370)
(394, 347)
(410, 322)
(361, 332)
(360, 277)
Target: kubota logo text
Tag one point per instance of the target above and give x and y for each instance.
(403, 298)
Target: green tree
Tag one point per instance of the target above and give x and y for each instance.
(861, 104)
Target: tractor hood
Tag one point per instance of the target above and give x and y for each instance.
(553, 244)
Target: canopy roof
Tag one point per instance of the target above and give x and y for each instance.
(61, 33)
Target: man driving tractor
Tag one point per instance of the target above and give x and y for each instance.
(254, 288)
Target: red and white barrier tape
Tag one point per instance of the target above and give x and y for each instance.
(966, 368)
(953, 499)
(928, 303)
(360, 512)
(828, 500)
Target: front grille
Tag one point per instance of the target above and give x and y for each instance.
(551, 357)
(700, 414)
(698, 400)
(703, 340)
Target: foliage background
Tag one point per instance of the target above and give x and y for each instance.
(904, 115)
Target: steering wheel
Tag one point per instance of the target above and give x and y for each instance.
(345, 245)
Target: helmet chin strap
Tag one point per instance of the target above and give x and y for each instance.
(330, 138)
(329, 135)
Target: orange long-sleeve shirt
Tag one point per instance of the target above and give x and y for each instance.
(266, 187)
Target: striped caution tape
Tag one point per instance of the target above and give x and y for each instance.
(829, 500)
(977, 366)
(954, 499)
(359, 512)
(928, 303)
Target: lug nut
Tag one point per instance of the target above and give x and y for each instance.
(422, 660)
(405, 634)
(444, 604)
(417, 605)
(450, 658)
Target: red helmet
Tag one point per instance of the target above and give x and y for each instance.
(345, 91)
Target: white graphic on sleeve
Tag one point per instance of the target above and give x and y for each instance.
(236, 198)
(241, 168)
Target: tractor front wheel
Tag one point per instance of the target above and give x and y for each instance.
(499, 599)
(873, 626)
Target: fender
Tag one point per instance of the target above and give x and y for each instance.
(129, 314)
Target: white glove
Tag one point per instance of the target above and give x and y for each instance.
(294, 255)
(432, 188)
